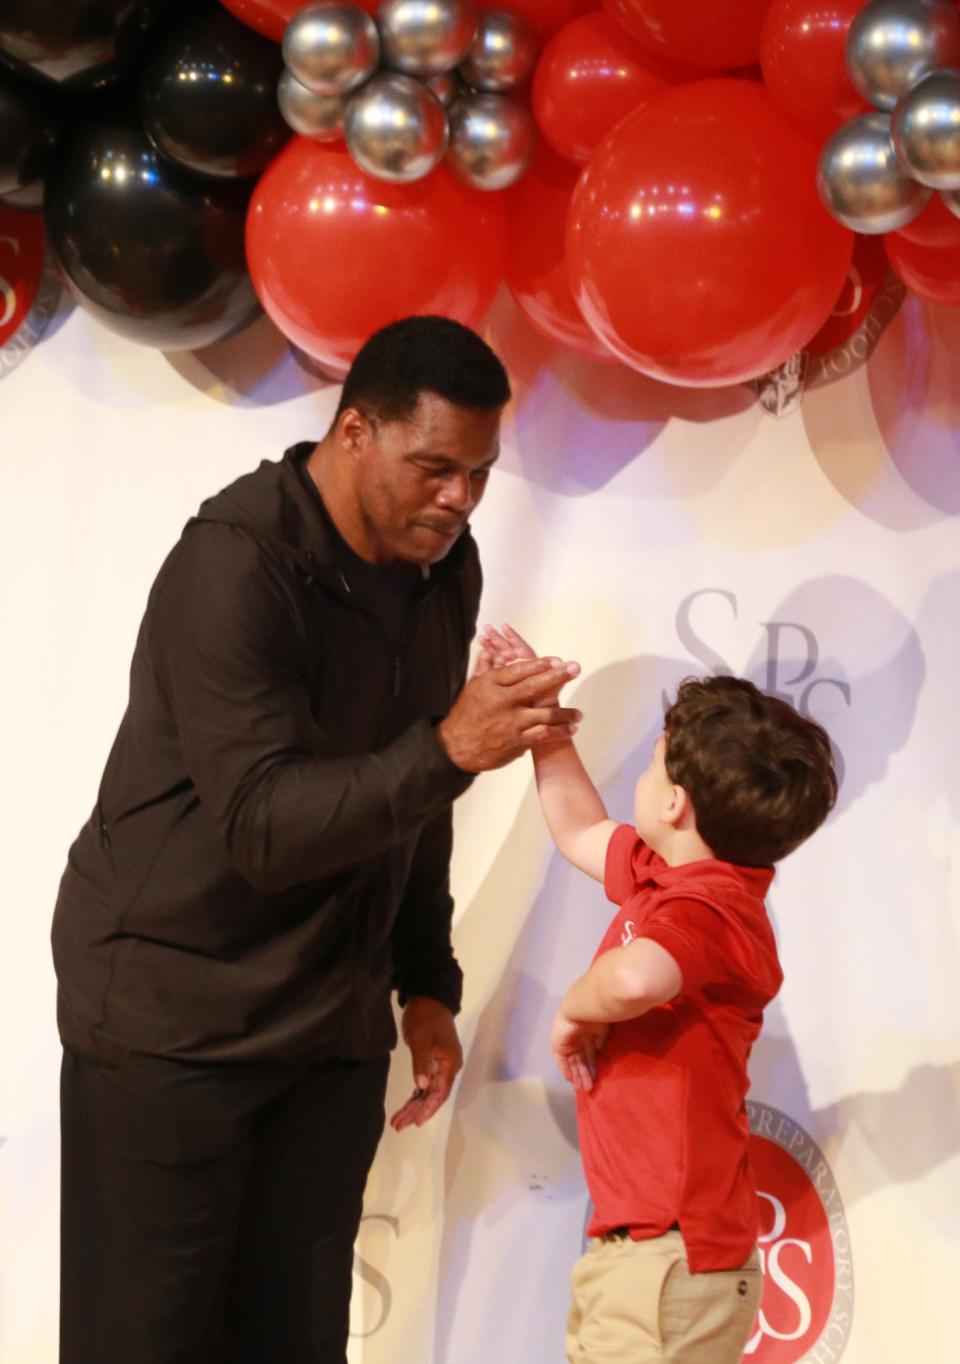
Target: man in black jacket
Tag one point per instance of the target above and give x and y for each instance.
(267, 859)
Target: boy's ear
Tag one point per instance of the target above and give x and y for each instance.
(679, 808)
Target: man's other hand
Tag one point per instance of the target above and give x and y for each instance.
(431, 1034)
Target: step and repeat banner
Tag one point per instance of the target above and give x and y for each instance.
(804, 532)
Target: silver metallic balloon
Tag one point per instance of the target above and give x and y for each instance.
(319, 117)
(396, 128)
(331, 48)
(492, 140)
(861, 182)
(926, 130)
(503, 54)
(447, 86)
(892, 44)
(425, 37)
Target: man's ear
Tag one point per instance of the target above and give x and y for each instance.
(354, 430)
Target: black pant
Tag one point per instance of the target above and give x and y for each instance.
(208, 1213)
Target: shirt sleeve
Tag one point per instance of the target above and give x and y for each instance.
(423, 959)
(709, 944)
(222, 644)
(618, 878)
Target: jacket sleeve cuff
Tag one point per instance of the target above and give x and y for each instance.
(445, 987)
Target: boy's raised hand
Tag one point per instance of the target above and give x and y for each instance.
(500, 647)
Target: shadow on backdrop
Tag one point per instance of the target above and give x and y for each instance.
(256, 367)
(891, 445)
(561, 398)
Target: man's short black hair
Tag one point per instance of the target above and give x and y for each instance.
(423, 354)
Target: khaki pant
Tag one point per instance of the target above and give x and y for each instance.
(636, 1302)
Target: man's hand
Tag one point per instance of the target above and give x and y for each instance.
(502, 711)
(576, 1047)
(430, 1033)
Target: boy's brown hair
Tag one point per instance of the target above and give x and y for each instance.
(760, 776)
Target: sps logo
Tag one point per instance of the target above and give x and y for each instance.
(806, 1310)
(789, 655)
(28, 293)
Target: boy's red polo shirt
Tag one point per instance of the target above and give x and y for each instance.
(663, 1132)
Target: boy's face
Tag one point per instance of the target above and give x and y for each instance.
(654, 796)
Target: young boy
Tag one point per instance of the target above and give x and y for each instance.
(656, 1036)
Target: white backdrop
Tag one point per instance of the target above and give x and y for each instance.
(650, 533)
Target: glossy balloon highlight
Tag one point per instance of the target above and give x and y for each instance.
(151, 251)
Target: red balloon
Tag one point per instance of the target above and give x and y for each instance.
(935, 226)
(590, 75)
(21, 266)
(543, 16)
(698, 248)
(931, 272)
(272, 16)
(717, 34)
(802, 55)
(334, 254)
(868, 270)
(536, 266)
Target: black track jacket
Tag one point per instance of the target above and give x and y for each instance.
(270, 848)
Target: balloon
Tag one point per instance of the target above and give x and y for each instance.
(80, 43)
(536, 272)
(376, 251)
(868, 270)
(426, 37)
(447, 86)
(21, 267)
(935, 226)
(862, 183)
(492, 140)
(208, 99)
(925, 126)
(545, 17)
(892, 44)
(589, 76)
(717, 34)
(931, 272)
(697, 248)
(271, 17)
(396, 128)
(153, 252)
(28, 133)
(331, 48)
(503, 53)
(802, 46)
(317, 116)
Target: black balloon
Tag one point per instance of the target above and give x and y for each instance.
(28, 132)
(151, 251)
(80, 43)
(209, 98)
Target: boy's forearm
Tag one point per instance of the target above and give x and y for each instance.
(601, 996)
(571, 803)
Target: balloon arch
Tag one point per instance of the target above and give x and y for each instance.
(678, 186)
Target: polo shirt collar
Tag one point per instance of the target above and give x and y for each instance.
(755, 880)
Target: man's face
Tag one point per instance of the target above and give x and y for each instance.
(418, 480)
